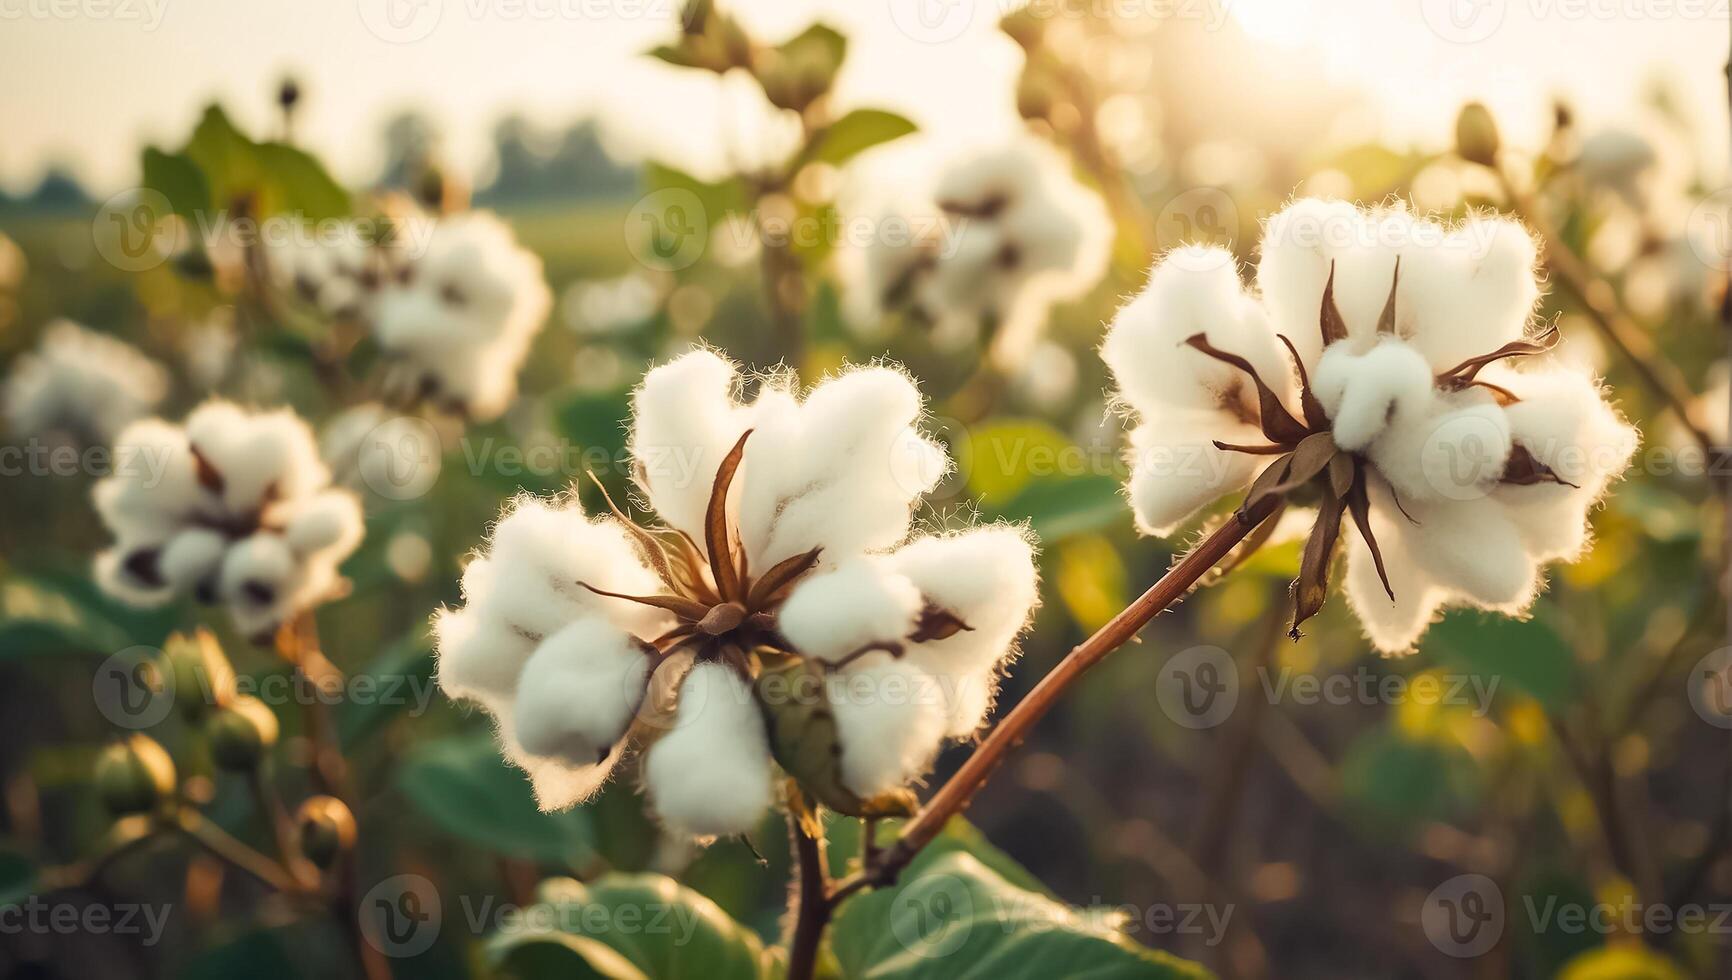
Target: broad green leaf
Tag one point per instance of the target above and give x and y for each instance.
(1060, 508)
(37, 619)
(394, 682)
(1406, 782)
(717, 199)
(664, 929)
(300, 184)
(462, 785)
(224, 155)
(955, 917)
(558, 956)
(802, 69)
(176, 177)
(1528, 657)
(855, 133)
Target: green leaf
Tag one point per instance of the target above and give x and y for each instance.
(176, 177)
(853, 134)
(1407, 782)
(718, 199)
(400, 675)
(802, 69)
(662, 928)
(675, 54)
(300, 185)
(37, 619)
(463, 786)
(1061, 508)
(1004, 457)
(535, 956)
(224, 155)
(957, 917)
(1529, 657)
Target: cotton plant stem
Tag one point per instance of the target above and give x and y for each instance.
(811, 897)
(1600, 302)
(955, 795)
(219, 843)
(307, 656)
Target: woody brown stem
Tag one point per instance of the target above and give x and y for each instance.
(811, 898)
(955, 795)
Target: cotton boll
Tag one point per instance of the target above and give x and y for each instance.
(711, 775)
(153, 480)
(191, 559)
(556, 783)
(115, 578)
(1562, 418)
(845, 450)
(80, 382)
(890, 720)
(537, 557)
(1452, 453)
(1472, 548)
(1392, 624)
(578, 692)
(330, 519)
(268, 454)
(257, 570)
(1470, 294)
(1362, 393)
(1176, 469)
(836, 613)
(987, 578)
(1297, 247)
(1194, 290)
(684, 421)
(480, 657)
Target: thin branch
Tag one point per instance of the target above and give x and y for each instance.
(955, 795)
(811, 899)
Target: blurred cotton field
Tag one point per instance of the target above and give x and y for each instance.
(893, 489)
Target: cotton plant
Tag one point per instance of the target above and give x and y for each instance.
(1381, 370)
(1007, 233)
(81, 384)
(233, 507)
(780, 613)
(339, 271)
(456, 319)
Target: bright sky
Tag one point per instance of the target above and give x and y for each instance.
(85, 81)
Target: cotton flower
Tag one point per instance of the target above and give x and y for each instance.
(83, 384)
(458, 317)
(1372, 373)
(1007, 233)
(232, 507)
(778, 613)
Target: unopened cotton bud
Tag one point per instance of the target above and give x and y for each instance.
(203, 677)
(1476, 137)
(135, 775)
(324, 830)
(242, 733)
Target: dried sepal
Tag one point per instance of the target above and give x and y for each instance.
(1386, 319)
(1311, 589)
(1524, 470)
(1330, 323)
(1359, 505)
(1465, 373)
(208, 476)
(937, 623)
(1277, 423)
(718, 540)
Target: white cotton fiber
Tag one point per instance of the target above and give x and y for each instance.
(684, 422)
(891, 718)
(1363, 392)
(711, 775)
(579, 691)
(1176, 468)
(836, 613)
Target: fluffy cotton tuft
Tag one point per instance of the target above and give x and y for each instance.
(1003, 236)
(711, 774)
(818, 567)
(458, 315)
(1453, 452)
(233, 507)
(82, 384)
